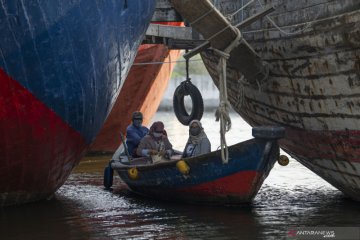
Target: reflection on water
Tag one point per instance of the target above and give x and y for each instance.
(82, 209)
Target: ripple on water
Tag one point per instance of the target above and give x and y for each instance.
(82, 209)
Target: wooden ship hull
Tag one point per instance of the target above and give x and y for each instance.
(143, 90)
(206, 178)
(312, 50)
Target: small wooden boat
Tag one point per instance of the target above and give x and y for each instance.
(205, 178)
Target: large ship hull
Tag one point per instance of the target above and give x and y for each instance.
(62, 66)
(313, 85)
(145, 86)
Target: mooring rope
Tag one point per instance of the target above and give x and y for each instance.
(307, 25)
(231, 15)
(222, 111)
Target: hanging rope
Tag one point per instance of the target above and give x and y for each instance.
(231, 15)
(187, 67)
(222, 111)
(307, 25)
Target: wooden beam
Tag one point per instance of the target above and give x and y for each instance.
(240, 25)
(214, 27)
(158, 30)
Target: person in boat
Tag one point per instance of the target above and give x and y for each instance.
(135, 132)
(198, 143)
(155, 142)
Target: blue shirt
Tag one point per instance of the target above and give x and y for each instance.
(134, 136)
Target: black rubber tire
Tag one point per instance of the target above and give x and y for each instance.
(184, 89)
(268, 132)
(108, 177)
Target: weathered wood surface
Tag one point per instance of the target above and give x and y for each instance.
(202, 16)
(313, 87)
(323, 62)
(210, 23)
(164, 12)
(241, 25)
(167, 31)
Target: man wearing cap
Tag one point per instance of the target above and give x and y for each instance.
(155, 142)
(135, 132)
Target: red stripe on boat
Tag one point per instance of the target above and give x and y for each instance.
(38, 150)
(332, 145)
(239, 184)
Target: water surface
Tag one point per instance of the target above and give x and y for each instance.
(82, 209)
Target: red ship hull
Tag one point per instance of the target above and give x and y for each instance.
(58, 85)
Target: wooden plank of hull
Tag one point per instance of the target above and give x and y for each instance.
(332, 155)
(289, 13)
(313, 84)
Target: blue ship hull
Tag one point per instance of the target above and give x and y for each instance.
(62, 66)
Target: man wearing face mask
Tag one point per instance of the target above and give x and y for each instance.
(155, 142)
(198, 143)
(135, 132)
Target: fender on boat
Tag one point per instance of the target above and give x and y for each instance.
(184, 89)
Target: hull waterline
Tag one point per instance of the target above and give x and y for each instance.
(62, 67)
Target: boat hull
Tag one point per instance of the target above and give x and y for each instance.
(145, 86)
(62, 67)
(312, 87)
(209, 180)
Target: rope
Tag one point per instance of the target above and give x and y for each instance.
(187, 68)
(149, 63)
(222, 111)
(307, 25)
(202, 16)
(230, 16)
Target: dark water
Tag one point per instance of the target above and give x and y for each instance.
(81, 209)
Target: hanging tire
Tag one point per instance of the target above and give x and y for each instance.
(184, 89)
(108, 177)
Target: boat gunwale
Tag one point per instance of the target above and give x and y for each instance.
(119, 166)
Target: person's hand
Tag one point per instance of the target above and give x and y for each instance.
(162, 153)
(152, 152)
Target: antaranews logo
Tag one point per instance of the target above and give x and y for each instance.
(292, 233)
(305, 233)
(322, 233)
